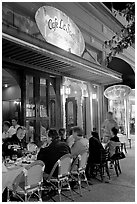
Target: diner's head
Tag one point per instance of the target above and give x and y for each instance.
(6, 126)
(94, 129)
(114, 131)
(77, 132)
(52, 134)
(109, 115)
(14, 121)
(20, 133)
(62, 133)
(93, 133)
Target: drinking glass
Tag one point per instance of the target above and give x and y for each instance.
(7, 159)
(14, 157)
(29, 157)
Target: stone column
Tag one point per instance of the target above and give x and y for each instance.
(79, 112)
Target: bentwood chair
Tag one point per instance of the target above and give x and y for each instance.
(102, 166)
(116, 161)
(78, 170)
(63, 166)
(28, 182)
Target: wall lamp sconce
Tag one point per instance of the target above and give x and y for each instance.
(94, 96)
(16, 102)
(5, 85)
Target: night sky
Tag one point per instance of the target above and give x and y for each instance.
(116, 5)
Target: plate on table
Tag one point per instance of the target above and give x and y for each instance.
(11, 166)
(25, 162)
(11, 162)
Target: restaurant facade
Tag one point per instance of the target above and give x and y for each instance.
(54, 61)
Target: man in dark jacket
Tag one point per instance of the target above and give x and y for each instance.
(50, 154)
(15, 144)
(95, 148)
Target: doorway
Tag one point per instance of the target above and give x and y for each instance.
(71, 112)
(40, 104)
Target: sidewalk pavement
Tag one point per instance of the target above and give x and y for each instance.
(119, 189)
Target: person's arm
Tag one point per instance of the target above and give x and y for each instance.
(42, 154)
(70, 141)
(75, 149)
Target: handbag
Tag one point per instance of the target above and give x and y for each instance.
(119, 155)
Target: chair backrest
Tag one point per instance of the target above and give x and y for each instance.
(104, 155)
(19, 181)
(34, 174)
(63, 164)
(82, 160)
(30, 177)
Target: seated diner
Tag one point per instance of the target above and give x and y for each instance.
(113, 142)
(15, 144)
(51, 153)
(81, 144)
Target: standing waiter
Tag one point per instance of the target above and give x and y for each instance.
(107, 125)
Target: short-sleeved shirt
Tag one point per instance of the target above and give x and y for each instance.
(81, 145)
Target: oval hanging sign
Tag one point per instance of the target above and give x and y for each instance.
(117, 92)
(58, 29)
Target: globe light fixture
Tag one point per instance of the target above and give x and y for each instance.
(117, 92)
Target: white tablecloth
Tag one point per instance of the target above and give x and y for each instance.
(9, 176)
(12, 172)
(122, 138)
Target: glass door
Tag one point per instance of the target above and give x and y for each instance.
(44, 113)
(40, 105)
(37, 117)
(30, 109)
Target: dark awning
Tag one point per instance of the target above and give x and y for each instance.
(128, 74)
(23, 49)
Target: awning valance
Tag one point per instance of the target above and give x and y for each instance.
(26, 50)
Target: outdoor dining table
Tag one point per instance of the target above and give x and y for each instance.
(12, 170)
(123, 140)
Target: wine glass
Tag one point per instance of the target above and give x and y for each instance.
(7, 159)
(14, 157)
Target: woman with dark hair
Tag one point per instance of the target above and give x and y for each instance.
(113, 143)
